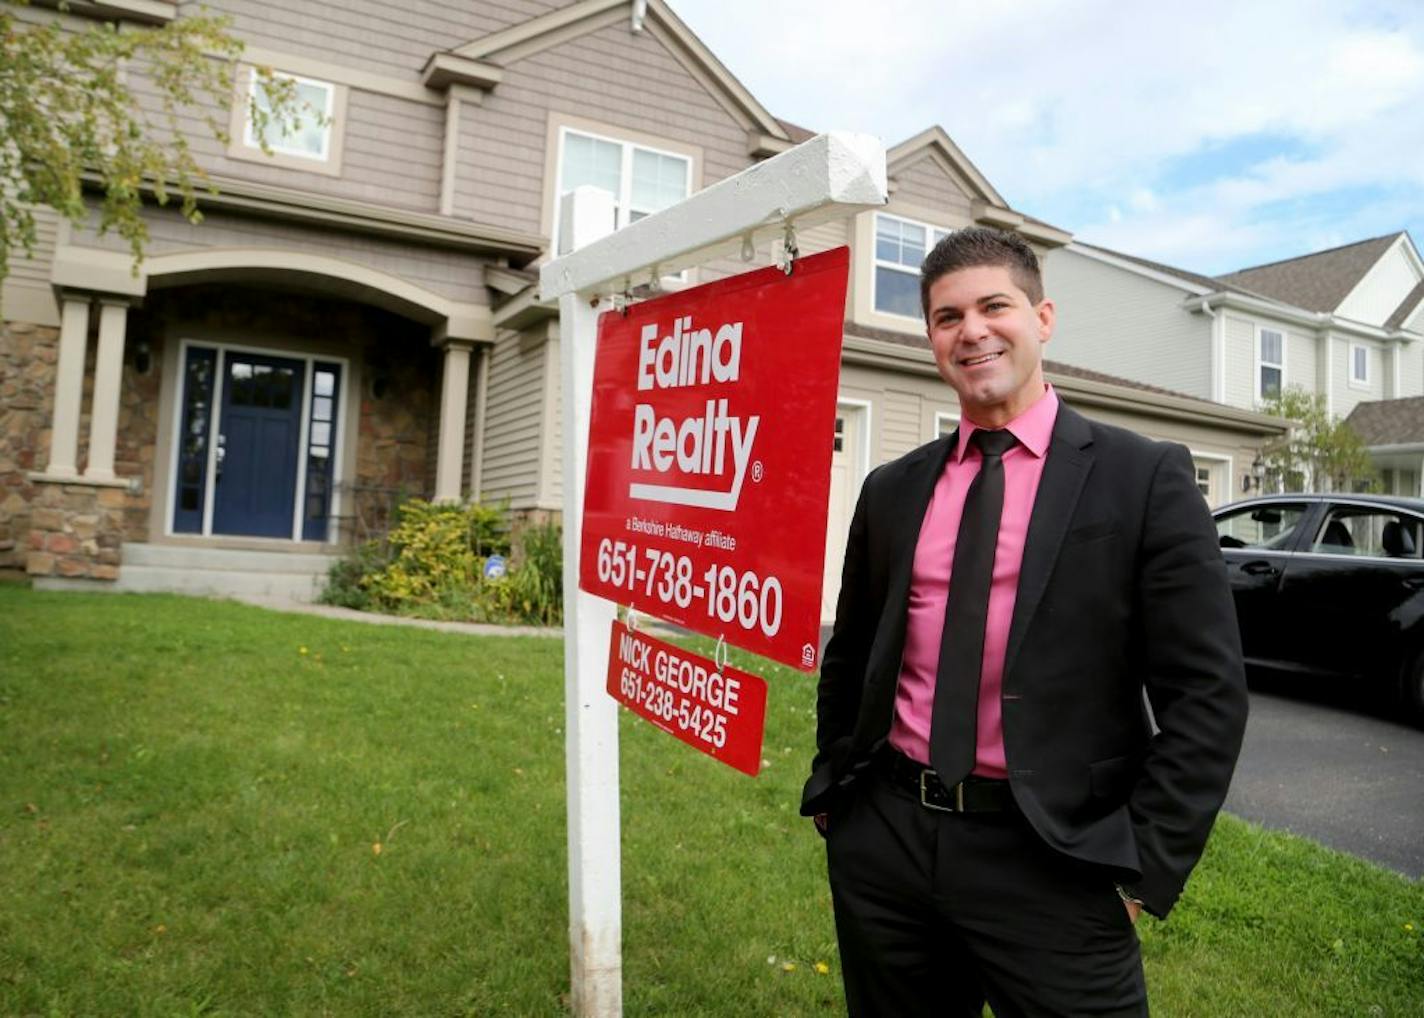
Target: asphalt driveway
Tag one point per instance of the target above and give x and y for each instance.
(1338, 771)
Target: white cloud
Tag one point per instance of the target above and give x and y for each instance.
(1082, 108)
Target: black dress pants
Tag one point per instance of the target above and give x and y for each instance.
(938, 912)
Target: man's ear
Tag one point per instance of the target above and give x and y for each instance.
(1047, 317)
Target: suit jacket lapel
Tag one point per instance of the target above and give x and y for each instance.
(908, 515)
(911, 517)
(1064, 472)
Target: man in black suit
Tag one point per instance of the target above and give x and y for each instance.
(997, 803)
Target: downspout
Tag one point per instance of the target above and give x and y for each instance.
(1218, 351)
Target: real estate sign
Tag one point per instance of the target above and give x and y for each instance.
(713, 708)
(710, 442)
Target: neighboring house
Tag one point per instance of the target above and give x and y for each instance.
(1393, 430)
(355, 319)
(1347, 323)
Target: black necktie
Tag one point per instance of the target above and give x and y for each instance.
(954, 725)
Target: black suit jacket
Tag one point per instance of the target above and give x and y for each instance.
(1122, 589)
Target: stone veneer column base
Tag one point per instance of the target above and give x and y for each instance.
(27, 363)
(76, 530)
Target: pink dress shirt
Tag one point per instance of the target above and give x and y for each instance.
(929, 585)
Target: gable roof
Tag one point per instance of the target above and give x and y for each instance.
(1401, 314)
(508, 45)
(936, 139)
(1389, 421)
(1318, 281)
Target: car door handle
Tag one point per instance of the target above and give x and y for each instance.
(1259, 569)
(1414, 582)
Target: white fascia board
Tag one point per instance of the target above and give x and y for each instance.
(1299, 316)
(1257, 306)
(1402, 447)
(831, 176)
(1140, 270)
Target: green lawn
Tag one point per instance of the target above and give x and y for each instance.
(207, 808)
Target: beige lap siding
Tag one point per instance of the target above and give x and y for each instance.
(926, 184)
(613, 77)
(515, 418)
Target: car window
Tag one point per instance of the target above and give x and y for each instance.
(1262, 526)
(1350, 530)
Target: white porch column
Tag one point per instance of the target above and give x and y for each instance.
(108, 373)
(69, 386)
(454, 392)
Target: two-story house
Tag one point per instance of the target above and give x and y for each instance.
(1347, 322)
(356, 318)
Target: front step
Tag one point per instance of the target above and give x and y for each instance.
(225, 572)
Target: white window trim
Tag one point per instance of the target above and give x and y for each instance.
(243, 143)
(1225, 473)
(333, 534)
(941, 417)
(876, 263)
(1356, 382)
(861, 408)
(624, 199)
(1260, 397)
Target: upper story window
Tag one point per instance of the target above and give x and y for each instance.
(309, 141)
(1359, 364)
(310, 136)
(1271, 362)
(642, 180)
(900, 246)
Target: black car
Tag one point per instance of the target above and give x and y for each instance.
(1330, 586)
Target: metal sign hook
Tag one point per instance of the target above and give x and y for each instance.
(622, 302)
(720, 656)
(789, 250)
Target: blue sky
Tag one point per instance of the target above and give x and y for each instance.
(1211, 136)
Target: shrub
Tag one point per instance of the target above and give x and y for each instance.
(438, 553)
(432, 565)
(537, 581)
(346, 579)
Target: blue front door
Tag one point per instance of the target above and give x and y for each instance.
(256, 478)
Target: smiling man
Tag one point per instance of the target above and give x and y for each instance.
(997, 805)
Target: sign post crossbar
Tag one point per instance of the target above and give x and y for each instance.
(832, 176)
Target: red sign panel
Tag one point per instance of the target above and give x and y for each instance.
(710, 453)
(722, 711)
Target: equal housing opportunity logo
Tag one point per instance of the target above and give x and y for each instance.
(702, 458)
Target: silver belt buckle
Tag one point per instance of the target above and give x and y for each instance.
(958, 806)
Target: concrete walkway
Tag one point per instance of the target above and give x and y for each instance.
(327, 611)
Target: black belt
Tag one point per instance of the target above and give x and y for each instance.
(972, 795)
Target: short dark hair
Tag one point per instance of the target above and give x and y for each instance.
(976, 246)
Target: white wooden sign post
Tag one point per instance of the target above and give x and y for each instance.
(832, 176)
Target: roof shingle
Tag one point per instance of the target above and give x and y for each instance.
(1318, 281)
(1411, 301)
(1389, 421)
